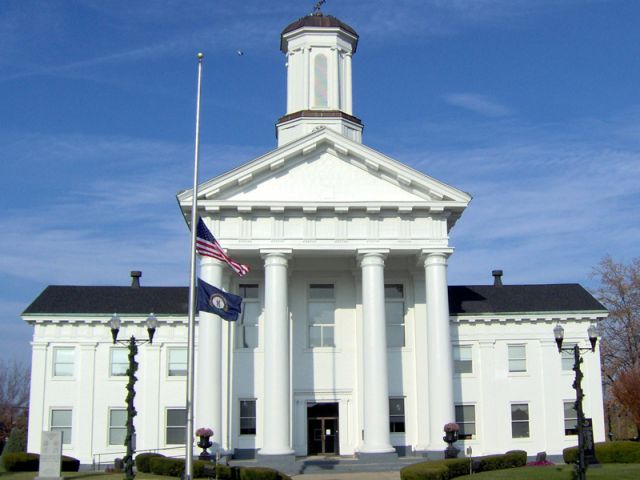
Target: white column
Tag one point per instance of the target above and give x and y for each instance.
(440, 357)
(83, 437)
(348, 100)
(276, 438)
(208, 378)
(376, 387)
(38, 419)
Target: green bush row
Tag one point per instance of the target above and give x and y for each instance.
(174, 467)
(608, 452)
(457, 467)
(30, 462)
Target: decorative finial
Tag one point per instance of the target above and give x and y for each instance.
(316, 8)
(200, 56)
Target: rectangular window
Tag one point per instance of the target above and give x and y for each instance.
(394, 314)
(61, 422)
(176, 430)
(466, 419)
(63, 361)
(117, 426)
(396, 415)
(570, 419)
(462, 360)
(177, 358)
(567, 357)
(119, 362)
(520, 420)
(517, 358)
(322, 309)
(247, 417)
(247, 327)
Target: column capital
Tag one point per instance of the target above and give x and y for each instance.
(435, 257)
(276, 256)
(210, 262)
(372, 256)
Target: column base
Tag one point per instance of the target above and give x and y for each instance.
(377, 457)
(430, 454)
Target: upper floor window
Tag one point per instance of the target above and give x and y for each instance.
(517, 358)
(177, 358)
(322, 308)
(176, 432)
(466, 419)
(519, 420)
(247, 327)
(462, 359)
(247, 417)
(396, 415)
(567, 357)
(320, 84)
(63, 358)
(394, 314)
(119, 362)
(61, 422)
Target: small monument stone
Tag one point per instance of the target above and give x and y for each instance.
(50, 456)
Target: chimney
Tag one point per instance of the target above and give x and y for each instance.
(135, 278)
(497, 278)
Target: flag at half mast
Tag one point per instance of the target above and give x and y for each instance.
(208, 246)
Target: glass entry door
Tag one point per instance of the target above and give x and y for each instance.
(322, 429)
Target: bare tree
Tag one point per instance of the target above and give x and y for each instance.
(619, 291)
(14, 396)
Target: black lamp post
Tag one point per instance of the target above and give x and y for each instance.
(132, 345)
(558, 332)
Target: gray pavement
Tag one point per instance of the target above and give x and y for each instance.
(350, 476)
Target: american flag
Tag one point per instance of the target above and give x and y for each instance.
(208, 246)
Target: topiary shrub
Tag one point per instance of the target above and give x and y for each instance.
(174, 467)
(608, 452)
(69, 464)
(436, 469)
(225, 472)
(143, 459)
(21, 462)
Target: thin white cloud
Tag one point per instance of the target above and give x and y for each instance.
(477, 103)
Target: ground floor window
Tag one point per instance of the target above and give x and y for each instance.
(61, 422)
(176, 431)
(247, 417)
(519, 420)
(570, 419)
(396, 415)
(117, 426)
(466, 419)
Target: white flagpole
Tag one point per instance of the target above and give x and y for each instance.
(188, 466)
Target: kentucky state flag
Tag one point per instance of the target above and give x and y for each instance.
(213, 300)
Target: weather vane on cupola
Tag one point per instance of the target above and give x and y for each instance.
(316, 8)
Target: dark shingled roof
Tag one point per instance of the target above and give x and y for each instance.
(67, 299)
(479, 299)
(317, 20)
(475, 299)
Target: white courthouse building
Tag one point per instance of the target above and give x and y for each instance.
(351, 341)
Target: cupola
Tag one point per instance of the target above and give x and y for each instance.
(319, 48)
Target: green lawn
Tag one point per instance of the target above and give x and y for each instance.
(613, 471)
(81, 476)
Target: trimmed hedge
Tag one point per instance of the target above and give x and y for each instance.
(225, 472)
(457, 467)
(436, 469)
(143, 459)
(608, 452)
(511, 459)
(30, 462)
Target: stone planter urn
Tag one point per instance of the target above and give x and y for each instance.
(204, 443)
(450, 437)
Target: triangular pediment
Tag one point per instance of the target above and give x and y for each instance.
(324, 167)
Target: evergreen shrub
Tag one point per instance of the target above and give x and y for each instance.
(69, 464)
(436, 469)
(260, 473)
(143, 459)
(511, 459)
(623, 451)
(30, 462)
(174, 467)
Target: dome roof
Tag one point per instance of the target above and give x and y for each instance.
(317, 20)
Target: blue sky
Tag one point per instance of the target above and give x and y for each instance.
(532, 106)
